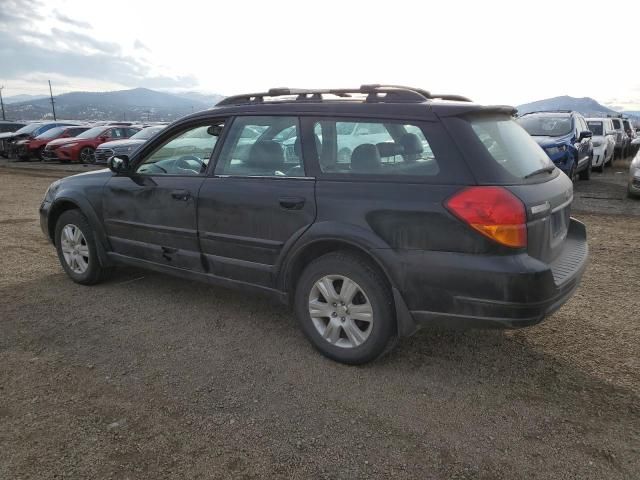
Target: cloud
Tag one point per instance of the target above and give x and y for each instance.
(27, 51)
(70, 21)
(138, 45)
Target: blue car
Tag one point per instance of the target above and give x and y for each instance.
(565, 137)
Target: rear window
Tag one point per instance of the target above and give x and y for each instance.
(595, 127)
(509, 145)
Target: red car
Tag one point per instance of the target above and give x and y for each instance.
(82, 147)
(34, 147)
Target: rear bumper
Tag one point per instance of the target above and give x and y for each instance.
(473, 291)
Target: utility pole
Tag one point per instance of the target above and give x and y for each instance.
(2, 103)
(53, 106)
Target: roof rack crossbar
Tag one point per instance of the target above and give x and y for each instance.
(375, 93)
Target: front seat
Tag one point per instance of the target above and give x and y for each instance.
(366, 159)
(266, 157)
(412, 147)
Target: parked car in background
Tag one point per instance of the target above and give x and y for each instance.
(31, 131)
(30, 148)
(23, 132)
(604, 141)
(622, 139)
(631, 133)
(634, 177)
(565, 138)
(474, 231)
(81, 148)
(126, 146)
(6, 130)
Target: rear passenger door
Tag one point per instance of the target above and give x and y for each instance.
(258, 200)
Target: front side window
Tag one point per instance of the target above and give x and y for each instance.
(262, 146)
(616, 124)
(187, 153)
(374, 148)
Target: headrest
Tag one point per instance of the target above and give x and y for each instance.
(389, 149)
(267, 155)
(411, 144)
(365, 158)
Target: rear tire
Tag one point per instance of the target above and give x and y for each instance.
(76, 247)
(360, 324)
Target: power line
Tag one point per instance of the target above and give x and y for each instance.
(53, 106)
(2, 103)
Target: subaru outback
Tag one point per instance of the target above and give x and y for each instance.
(453, 217)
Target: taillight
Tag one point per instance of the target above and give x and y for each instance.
(493, 211)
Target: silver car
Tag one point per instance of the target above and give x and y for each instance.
(634, 177)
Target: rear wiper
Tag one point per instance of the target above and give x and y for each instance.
(547, 169)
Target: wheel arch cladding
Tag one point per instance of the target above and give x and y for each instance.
(315, 249)
(63, 204)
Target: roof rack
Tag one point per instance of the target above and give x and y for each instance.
(549, 111)
(375, 93)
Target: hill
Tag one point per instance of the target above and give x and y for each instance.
(585, 105)
(134, 104)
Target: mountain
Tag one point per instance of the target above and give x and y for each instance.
(209, 98)
(21, 98)
(134, 104)
(585, 105)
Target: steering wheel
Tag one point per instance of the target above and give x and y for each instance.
(184, 164)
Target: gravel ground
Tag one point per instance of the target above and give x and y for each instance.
(149, 376)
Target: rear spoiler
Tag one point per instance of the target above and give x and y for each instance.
(464, 109)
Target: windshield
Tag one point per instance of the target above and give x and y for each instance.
(510, 146)
(546, 125)
(595, 127)
(29, 128)
(92, 132)
(53, 133)
(146, 133)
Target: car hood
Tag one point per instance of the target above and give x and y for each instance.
(122, 143)
(546, 141)
(64, 141)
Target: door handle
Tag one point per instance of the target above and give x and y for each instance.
(181, 195)
(292, 203)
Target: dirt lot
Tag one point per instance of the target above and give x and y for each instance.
(148, 376)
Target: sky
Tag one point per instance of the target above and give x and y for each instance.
(495, 52)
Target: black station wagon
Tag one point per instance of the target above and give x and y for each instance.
(371, 211)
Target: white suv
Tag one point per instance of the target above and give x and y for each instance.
(604, 141)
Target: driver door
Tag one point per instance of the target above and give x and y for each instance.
(150, 213)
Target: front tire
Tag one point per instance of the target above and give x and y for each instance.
(87, 155)
(586, 173)
(76, 247)
(345, 309)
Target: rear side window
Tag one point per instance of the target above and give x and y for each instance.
(366, 147)
(510, 146)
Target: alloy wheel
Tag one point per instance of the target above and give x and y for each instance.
(340, 311)
(74, 248)
(87, 156)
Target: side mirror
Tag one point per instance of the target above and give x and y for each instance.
(610, 132)
(118, 164)
(585, 134)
